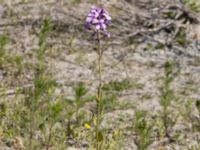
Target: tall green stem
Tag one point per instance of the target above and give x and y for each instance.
(99, 91)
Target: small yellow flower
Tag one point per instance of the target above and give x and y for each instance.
(87, 126)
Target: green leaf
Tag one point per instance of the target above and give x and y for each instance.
(80, 90)
(100, 136)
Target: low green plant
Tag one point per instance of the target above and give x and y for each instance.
(80, 90)
(3, 108)
(180, 37)
(39, 96)
(3, 42)
(3, 50)
(196, 121)
(186, 111)
(118, 86)
(113, 140)
(8, 61)
(143, 129)
(109, 101)
(192, 4)
(167, 96)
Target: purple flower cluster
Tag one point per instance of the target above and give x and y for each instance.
(99, 19)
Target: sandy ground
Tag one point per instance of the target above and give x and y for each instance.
(138, 26)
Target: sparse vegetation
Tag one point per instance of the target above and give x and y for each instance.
(131, 85)
(192, 4)
(118, 86)
(167, 97)
(143, 130)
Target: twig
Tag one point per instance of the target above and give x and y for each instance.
(151, 31)
(189, 14)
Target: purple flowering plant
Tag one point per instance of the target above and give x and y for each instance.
(97, 20)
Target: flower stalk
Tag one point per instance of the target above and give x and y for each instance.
(99, 92)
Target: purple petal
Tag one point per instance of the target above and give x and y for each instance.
(103, 26)
(93, 11)
(107, 16)
(96, 14)
(89, 19)
(98, 27)
(90, 15)
(99, 10)
(101, 20)
(94, 21)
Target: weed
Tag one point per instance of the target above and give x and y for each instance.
(143, 130)
(3, 42)
(118, 86)
(180, 37)
(192, 4)
(167, 95)
(39, 97)
(80, 90)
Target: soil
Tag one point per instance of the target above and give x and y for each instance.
(143, 37)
